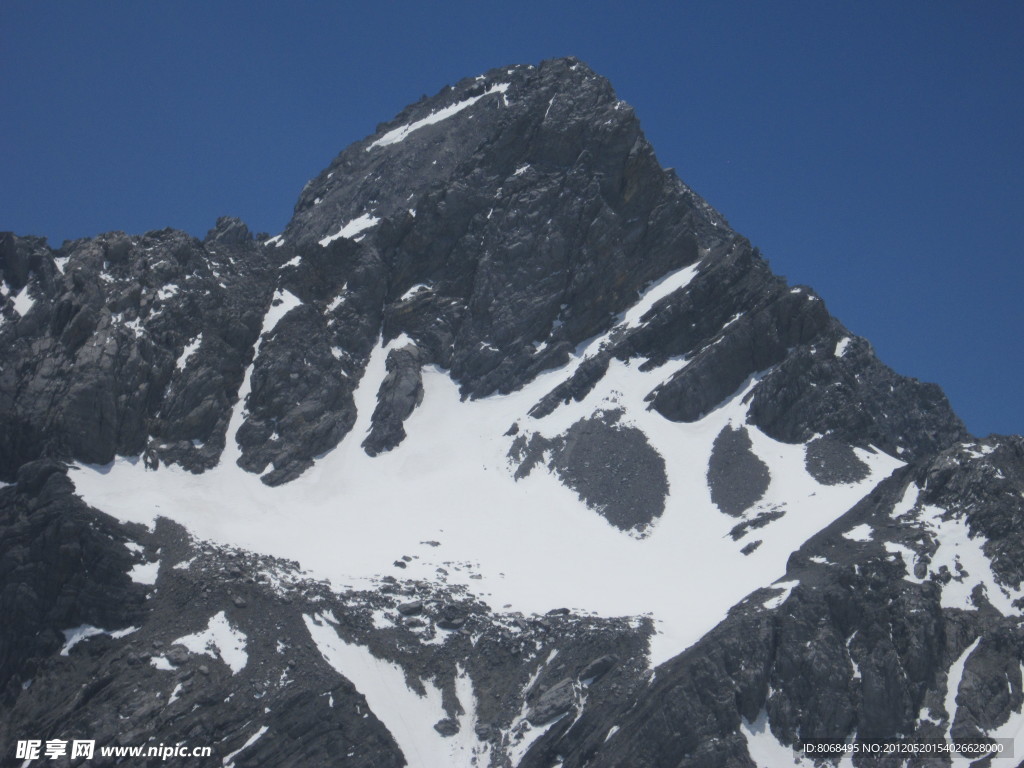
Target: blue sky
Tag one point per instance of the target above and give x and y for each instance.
(872, 150)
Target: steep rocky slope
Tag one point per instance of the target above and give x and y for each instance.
(575, 478)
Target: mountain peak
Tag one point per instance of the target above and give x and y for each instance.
(515, 224)
(523, 411)
(499, 123)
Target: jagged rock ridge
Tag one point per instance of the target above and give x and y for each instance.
(497, 244)
(516, 235)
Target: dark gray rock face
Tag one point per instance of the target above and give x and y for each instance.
(133, 344)
(597, 668)
(737, 478)
(531, 231)
(556, 701)
(536, 221)
(741, 328)
(412, 608)
(854, 398)
(400, 392)
(832, 462)
(982, 482)
(611, 466)
(301, 401)
(61, 566)
(447, 727)
(758, 521)
(124, 689)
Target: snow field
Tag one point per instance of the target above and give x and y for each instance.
(399, 134)
(534, 544)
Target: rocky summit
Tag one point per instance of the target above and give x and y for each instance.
(507, 451)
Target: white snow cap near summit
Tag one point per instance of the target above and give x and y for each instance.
(397, 135)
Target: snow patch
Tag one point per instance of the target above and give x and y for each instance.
(976, 451)
(145, 573)
(786, 587)
(399, 134)
(219, 640)
(188, 351)
(953, 677)
(284, 302)
(767, 751)
(964, 557)
(352, 228)
(229, 760)
(73, 637)
(907, 503)
(277, 241)
(408, 715)
(23, 302)
(672, 282)
(337, 300)
(161, 663)
(909, 559)
(414, 290)
(842, 345)
(926, 716)
(135, 326)
(861, 533)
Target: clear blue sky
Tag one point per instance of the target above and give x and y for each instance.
(873, 150)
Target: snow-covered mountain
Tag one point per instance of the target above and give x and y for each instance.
(508, 451)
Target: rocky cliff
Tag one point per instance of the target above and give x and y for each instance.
(507, 451)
